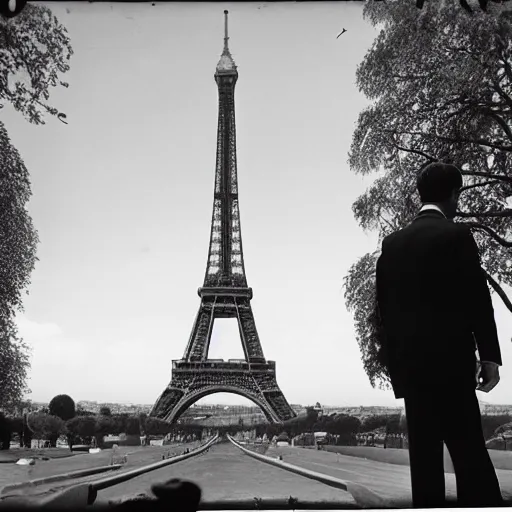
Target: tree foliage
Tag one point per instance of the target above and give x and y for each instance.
(104, 426)
(6, 429)
(14, 363)
(133, 426)
(482, 4)
(34, 52)
(17, 260)
(374, 422)
(340, 424)
(283, 436)
(62, 406)
(105, 411)
(156, 426)
(440, 82)
(506, 428)
(46, 426)
(361, 299)
(490, 423)
(83, 427)
(142, 421)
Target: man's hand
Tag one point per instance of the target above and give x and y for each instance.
(488, 375)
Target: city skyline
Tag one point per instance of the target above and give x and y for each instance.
(122, 199)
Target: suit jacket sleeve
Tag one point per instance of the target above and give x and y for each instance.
(481, 312)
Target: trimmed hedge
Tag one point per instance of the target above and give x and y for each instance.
(5, 432)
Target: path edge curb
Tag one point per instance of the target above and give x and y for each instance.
(363, 496)
(58, 478)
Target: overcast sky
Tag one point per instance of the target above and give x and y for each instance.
(122, 199)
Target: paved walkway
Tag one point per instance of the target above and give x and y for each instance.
(225, 472)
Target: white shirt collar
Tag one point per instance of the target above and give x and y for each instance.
(432, 207)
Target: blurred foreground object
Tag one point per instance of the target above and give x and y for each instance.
(12, 8)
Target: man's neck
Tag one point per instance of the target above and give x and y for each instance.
(433, 206)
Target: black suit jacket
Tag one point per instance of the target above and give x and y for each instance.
(435, 306)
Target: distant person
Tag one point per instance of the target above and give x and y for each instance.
(436, 310)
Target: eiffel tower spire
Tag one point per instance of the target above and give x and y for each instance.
(226, 62)
(225, 265)
(226, 37)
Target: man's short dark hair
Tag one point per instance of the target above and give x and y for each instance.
(437, 181)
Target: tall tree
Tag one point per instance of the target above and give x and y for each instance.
(45, 426)
(440, 82)
(133, 426)
(83, 427)
(105, 411)
(142, 419)
(155, 426)
(62, 406)
(34, 51)
(104, 426)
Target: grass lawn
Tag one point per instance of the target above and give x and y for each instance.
(501, 459)
(14, 454)
(137, 456)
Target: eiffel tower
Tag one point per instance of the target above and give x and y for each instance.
(225, 293)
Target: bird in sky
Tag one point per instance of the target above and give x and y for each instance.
(344, 30)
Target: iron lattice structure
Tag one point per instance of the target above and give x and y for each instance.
(225, 293)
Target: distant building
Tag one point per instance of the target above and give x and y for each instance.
(252, 415)
(363, 411)
(494, 409)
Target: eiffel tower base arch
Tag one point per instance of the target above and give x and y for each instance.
(193, 381)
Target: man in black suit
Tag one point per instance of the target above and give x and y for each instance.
(436, 311)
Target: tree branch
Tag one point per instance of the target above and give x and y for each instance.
(386, 221)
(499, 89)
(490, 232)
(479, 142)
(499, 290)
(415, 151)
(506, 65)
(482, 184)
(500, 177)
(495, 177)
(501, 122)
(410, 77)
(504, 213)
